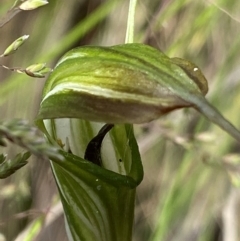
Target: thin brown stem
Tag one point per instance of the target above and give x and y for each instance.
(10, 14)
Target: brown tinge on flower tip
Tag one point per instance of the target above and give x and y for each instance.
(193, 73)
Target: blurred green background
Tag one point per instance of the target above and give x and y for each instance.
(191, 186)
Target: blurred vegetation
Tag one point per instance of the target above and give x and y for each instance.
(192, 168)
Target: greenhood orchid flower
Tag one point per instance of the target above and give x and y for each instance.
(129, 83)
(123, 84)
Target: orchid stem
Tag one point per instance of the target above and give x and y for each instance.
(130, 23)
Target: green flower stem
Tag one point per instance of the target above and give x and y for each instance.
(130, 24)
